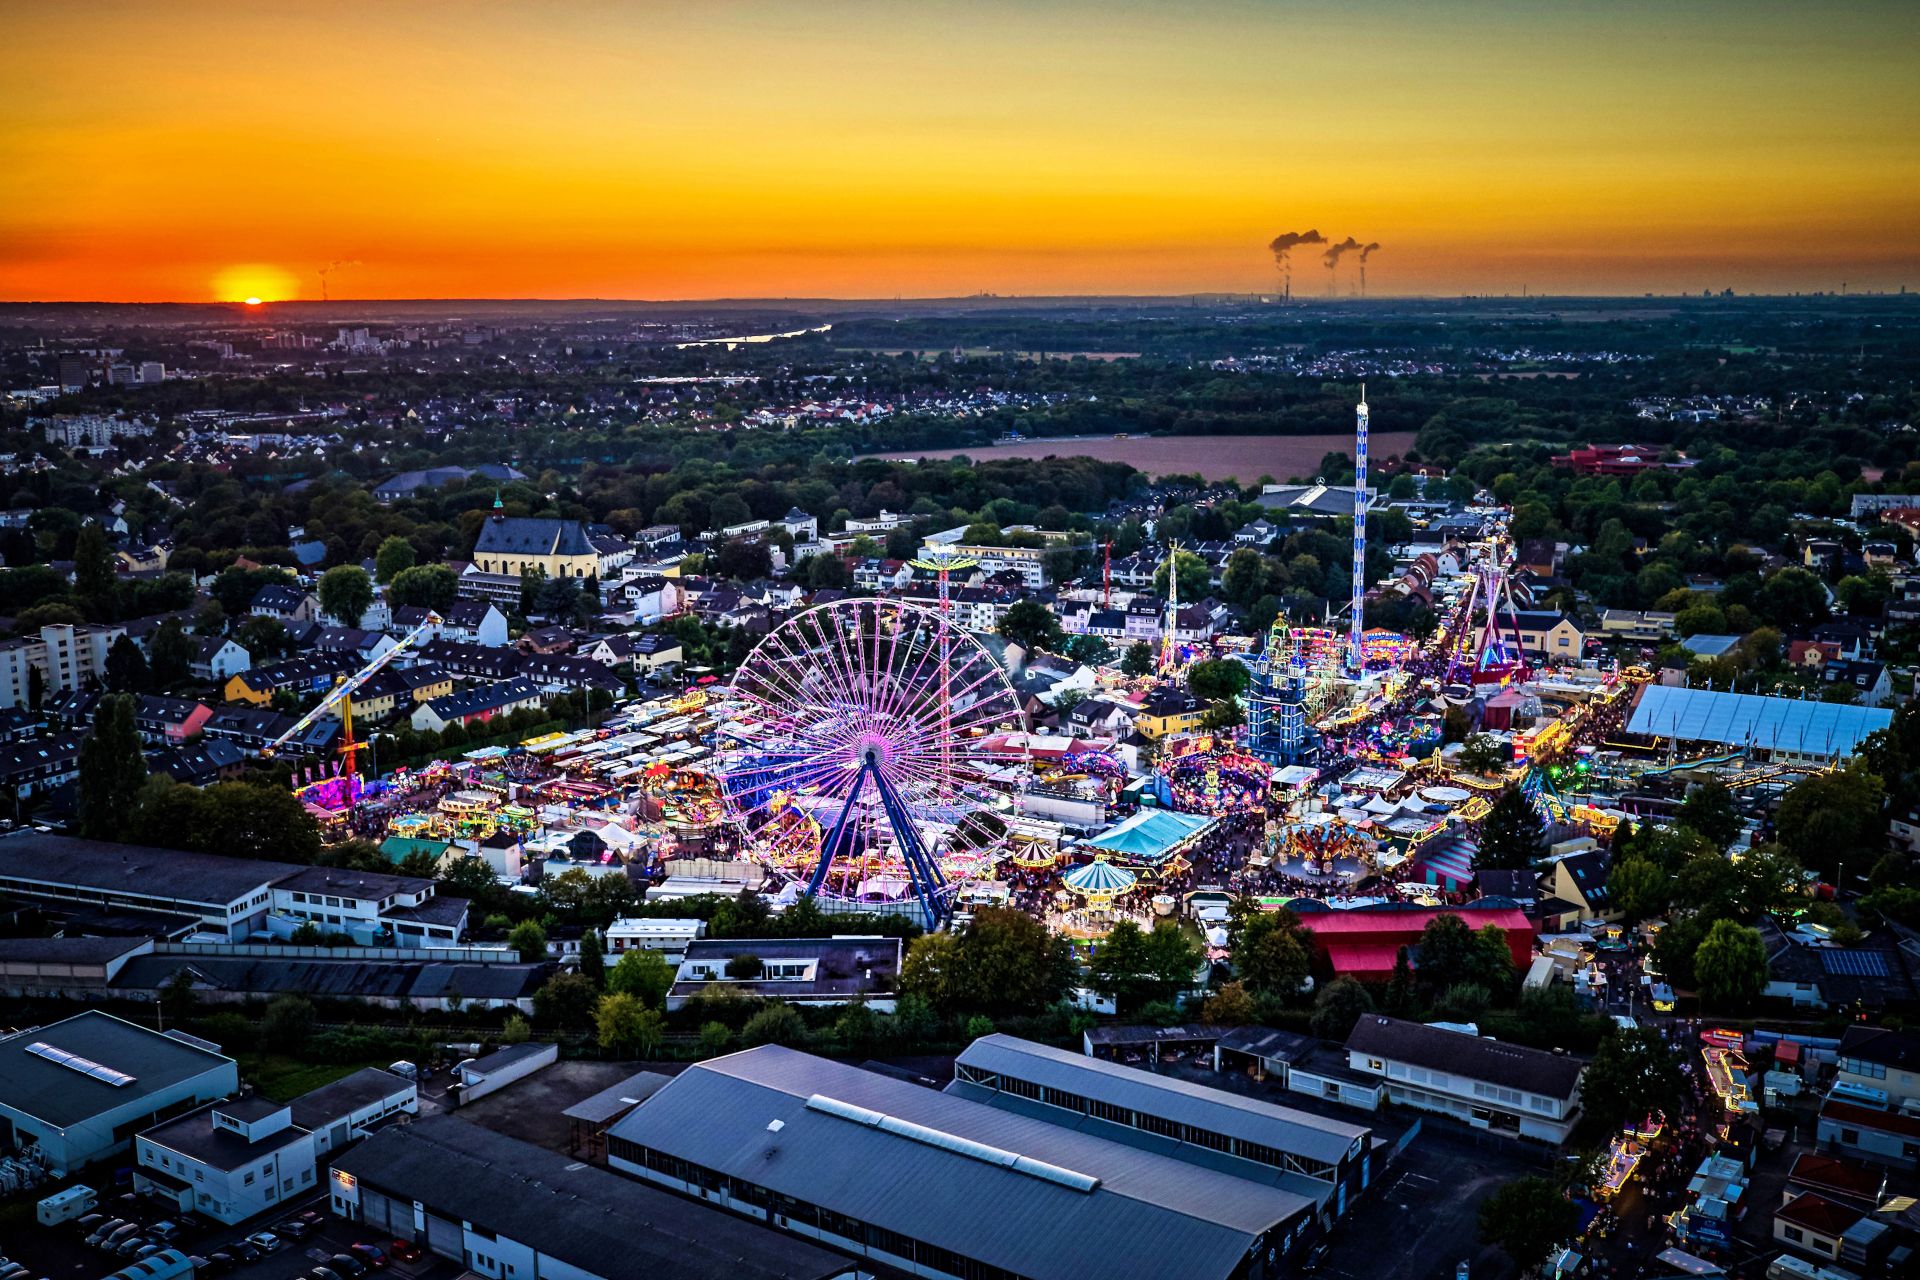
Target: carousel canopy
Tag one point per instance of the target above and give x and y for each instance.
(1099, 879)
(1152, 835)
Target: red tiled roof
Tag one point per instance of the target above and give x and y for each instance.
(1843, 1176)
(1817, 1214)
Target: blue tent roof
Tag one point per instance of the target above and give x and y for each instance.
(1099, 879)
(1744, 719)
(1151, 835)
(1449, 856)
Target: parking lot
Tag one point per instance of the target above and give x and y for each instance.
(1423, 1217)
(62, 1251)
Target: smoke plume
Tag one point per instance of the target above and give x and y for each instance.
(1367, 249)
(1332, 256)
(1282, 245)
(338, 264)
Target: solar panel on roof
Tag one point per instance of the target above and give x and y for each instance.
(1862, 964)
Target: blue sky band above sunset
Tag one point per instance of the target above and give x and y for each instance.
(217, 150)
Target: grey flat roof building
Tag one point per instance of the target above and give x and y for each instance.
(1205, 1110)
(896, 1171)
(525, 1197)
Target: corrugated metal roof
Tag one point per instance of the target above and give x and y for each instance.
(1148, 1217)
(1212, 1110)
(1747, 719)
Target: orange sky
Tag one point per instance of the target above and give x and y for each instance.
(840, 147)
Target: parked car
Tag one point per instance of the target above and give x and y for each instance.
(371, 1254)
(87, 1222)
(219, 1262)
(264, 1241)
(323, 1272)
(347, 1265)
(148, 1250)
(244, 1252)
(293, 1229)
(405, 1250)
(130, 1246)
(164, 1231)
(312, 1217)
(105, 1229)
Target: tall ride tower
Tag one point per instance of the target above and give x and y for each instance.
(1356, 620)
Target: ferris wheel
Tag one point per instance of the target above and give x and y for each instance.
(870, 738)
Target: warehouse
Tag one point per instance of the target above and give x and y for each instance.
(508, 1209)
(941, 1186)
(1326, 1160)
(78, 1090)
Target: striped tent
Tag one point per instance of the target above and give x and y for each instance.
(1099, 880)
(1445, 859)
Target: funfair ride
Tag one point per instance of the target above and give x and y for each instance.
(342, 792)
(868, 739)
(1487, 647)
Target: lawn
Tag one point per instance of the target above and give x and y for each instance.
(282, 1079)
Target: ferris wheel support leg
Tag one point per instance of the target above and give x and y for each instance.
(831, 847)
(922, 870)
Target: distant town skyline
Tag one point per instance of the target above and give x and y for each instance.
(852, 148)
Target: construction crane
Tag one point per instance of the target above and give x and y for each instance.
(341, 696)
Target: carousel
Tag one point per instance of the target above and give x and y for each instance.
(1096, 886)
(1322, 847)
(1215, 781)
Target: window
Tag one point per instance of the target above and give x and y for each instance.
(1850, 1136)
(1794, 1234)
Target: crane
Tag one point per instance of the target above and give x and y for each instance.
(341, 695)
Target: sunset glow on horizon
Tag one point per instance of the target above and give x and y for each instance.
(856, 148)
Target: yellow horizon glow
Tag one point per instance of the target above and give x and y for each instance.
(749, 148)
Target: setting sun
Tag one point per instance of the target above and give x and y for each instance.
(254, 283)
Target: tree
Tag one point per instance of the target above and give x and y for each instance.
(1194, 576)
(624, 1025)
(394, 557)
(1134, 966)
(1452, 954)
(1483, 753)
(828, 572)
(530, 940)
(126, 667)
(1231, 1006)
(1339, 1005)
(427, 586)
(173, 653)
(1830, 818)
(1138, 660)
(1632, 1076)
(1005, 962)
(93, 571)
(287, 1023)
(1217, 679)
(1271, 951)
(1708, 810)
(177, 997)
(1526, 1218)
(1731, 964)
(346, 593)
(715, 1038)
(567, 1000)
(1244, 577)
(112, 770)
(516, 1030)
(1638, 887)
(776, 1024)
(1031, 625)
(745, 967)
(1513, 835)
(643, 974)
(593, 959)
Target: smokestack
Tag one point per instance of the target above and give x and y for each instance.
(1332, 258)
(1366, 251)
(1282, 246)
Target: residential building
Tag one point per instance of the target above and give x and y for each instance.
(169, 721)
(670, 937)
(77, 1090)
(478, 705)
(1644, 625)
(820, 1149)
(300, 677)
(804, 971)
(218, 659)
(1870, 682)
(1881, 1058)
(31, 765)
(1550, 635)
(67, 655)
(1488, 1084)
(284, 604)
(509, 1210)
